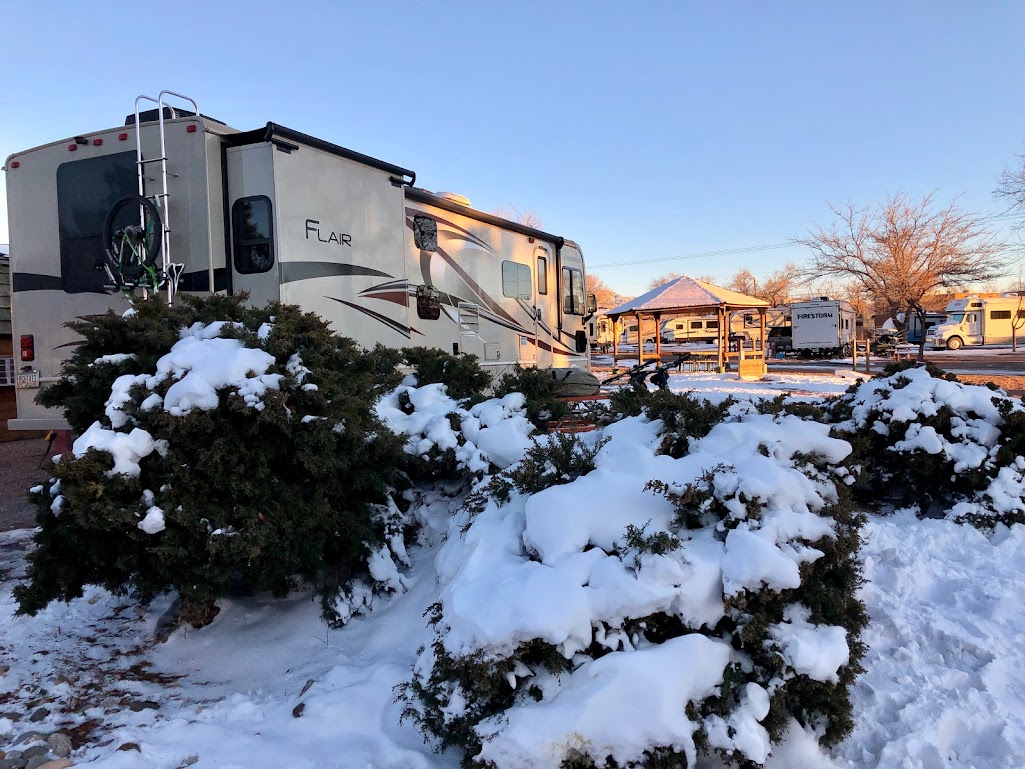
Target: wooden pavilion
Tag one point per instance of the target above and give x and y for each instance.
(689, 297)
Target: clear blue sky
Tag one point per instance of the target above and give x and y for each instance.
(641, 130)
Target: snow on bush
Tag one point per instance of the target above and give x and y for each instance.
(449, 439)
(937, 443)
(232, 448)
(587, 617)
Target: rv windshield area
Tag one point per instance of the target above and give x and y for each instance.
(572, 291)
(955, 319)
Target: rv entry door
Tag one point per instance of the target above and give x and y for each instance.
(254, 257)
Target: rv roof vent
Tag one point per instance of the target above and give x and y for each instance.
(455, 197)
(823, 298)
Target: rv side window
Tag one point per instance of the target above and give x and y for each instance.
(542, 275)
(425, 233)
(999, 314)
(254, 234)
(572, 291)
(1021, 313)
(516, 280)
(712, 324)
(428, 302)
(695, 324)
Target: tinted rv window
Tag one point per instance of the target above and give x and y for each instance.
(86, 191)
(253, 228)
(999, 314)
(572, 291)
(425, 233)
(516, 280)
(542, 275)
(712, 324)
(695, 324)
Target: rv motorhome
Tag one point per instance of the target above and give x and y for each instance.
(978, 320)
(823, 326)
(283, 216)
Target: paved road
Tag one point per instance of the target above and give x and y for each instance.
(19, 470)
(975, 362)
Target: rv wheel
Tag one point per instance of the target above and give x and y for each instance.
(955, 343)
(846, 351)
(132, 235)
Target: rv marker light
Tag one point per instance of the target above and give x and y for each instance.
(122, 137)
(28, 347)
(97, 142)
(72, 147)
(15, 164)
(190, 128)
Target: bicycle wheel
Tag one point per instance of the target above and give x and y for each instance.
(132, 236)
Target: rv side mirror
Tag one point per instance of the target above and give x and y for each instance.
(592, 303)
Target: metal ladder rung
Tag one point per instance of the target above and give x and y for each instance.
(144, 161)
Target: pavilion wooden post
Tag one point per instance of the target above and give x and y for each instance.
(723, 338)
(658, 337)
(615, 345)
(640, 342)
(761, 320)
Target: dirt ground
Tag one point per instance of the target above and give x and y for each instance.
(19, 470)
(1014, 385)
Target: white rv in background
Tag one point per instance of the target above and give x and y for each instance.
(823, 326)
(283, 216)
(978, 320)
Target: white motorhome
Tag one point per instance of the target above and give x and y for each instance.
(978, 320)
(283, 216)
(823, 326)
(704, 328)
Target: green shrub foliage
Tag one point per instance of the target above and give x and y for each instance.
(539, 388)
(685, 416)
(923, 439)
(459, 698)
(294, 485)
(462, 375)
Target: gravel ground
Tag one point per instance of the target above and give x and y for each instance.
(19, 470)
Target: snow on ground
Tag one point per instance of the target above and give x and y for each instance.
(267, 684)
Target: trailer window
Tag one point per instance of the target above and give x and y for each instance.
(712, 324)
(516, 280)
(999, 314)
(572, 291)
(254, 234)
(425, 233)
(542, 275)
(695, 324)
(86, 191)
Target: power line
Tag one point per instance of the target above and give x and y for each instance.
(752, 249)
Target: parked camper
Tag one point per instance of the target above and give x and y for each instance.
(823, 326)
(916, 330)
(690, 329)
(283, 216)
(978, 320)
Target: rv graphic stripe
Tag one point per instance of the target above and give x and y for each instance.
(293, 271)
(392, 324)
(31, 281)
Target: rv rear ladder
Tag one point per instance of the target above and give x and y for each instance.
(161, 199)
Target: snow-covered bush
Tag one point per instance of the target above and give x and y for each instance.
(462, 375)
(605, 622)
(445, 439)
(936, 443)
(244, 450)
(684, 416)
(539, 388)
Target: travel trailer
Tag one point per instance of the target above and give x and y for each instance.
(978, 320)
(823, 326)
(174, 201)
(915, 327)
(703, 328)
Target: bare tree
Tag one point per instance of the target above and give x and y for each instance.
(661, 280)
(1011, 185)
(779, 287)
(604, 295)
(902, 249)
(528, 217)
(744, 282)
